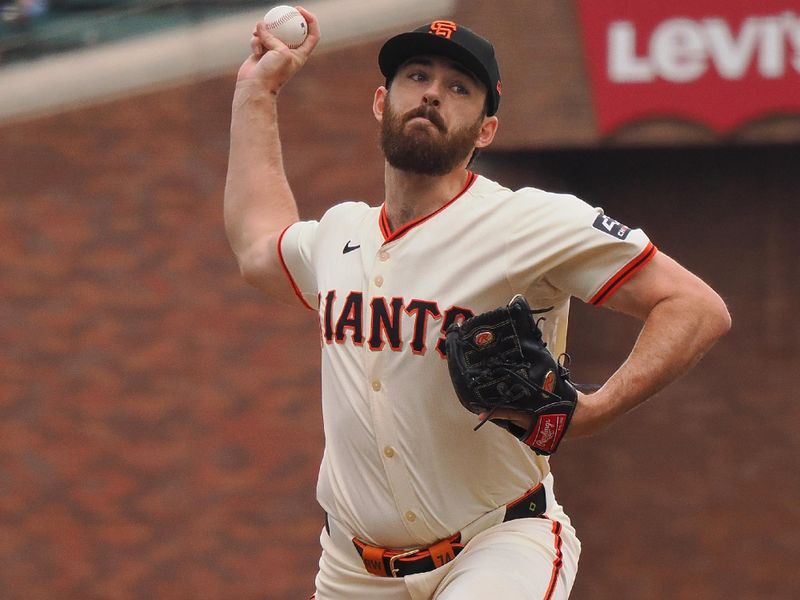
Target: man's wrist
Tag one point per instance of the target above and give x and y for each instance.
(592, 413)
(255, 90)
(255, 97)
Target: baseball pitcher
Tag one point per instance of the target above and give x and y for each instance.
(444, 310)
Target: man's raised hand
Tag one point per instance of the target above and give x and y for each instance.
(272, 63)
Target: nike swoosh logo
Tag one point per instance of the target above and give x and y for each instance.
(348, 248)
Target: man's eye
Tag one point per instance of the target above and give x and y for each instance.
(460, 89)
(417, 76)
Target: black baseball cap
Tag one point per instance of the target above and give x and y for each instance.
(446, 38)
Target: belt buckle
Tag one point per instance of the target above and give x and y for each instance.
(392, 570)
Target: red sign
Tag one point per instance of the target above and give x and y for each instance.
(717, 62)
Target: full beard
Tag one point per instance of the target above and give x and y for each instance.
(422, 151)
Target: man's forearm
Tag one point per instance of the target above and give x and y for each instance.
(676, 334)
(258, 200)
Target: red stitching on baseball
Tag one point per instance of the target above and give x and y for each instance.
(284, 19)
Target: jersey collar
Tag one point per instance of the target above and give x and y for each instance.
(383, 220)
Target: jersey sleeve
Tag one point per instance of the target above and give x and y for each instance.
(576, 248)
(295, 250)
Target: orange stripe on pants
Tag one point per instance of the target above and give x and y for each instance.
(556, 562)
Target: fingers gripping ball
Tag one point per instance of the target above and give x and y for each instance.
(498, 360)
(287, 24)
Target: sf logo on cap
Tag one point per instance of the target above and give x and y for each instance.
(443, 28)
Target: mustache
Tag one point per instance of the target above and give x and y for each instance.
(427, 112)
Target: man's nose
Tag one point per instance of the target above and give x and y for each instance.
(431, 99)
(432, 95)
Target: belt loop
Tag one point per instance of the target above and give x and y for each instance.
(442, 553)
(373, 560)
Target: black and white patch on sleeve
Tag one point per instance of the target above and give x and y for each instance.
(611, 226)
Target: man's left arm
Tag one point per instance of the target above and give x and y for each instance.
(683, 318)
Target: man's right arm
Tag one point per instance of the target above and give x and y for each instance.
(259, 204)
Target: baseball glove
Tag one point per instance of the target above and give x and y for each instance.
(498, 359)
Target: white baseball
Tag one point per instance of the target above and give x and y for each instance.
(287, 24)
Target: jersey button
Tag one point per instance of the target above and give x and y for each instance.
(410, 516)
(376, 385)
(383, 256)
(388, 451)
(379, 281)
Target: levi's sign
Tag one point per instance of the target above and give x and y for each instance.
(717, 62)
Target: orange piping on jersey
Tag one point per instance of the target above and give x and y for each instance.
(383, 221)
(624, 274)
(557, 562)
(296, 289)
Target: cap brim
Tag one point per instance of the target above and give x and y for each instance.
(402, 47)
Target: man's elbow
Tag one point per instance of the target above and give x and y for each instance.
(717, 318)
(251, 275)
(255, 265)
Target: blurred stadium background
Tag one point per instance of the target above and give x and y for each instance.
(159, 421)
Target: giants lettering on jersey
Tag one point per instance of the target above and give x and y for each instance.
(379, 321)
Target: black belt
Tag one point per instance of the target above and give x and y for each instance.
(384, 562)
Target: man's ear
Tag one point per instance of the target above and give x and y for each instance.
(487, 132)
(379, 102)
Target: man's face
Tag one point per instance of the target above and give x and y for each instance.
(431, 117)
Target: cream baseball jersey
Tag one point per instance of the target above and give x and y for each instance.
(402, 465)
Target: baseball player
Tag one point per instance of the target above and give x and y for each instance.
(418, 504)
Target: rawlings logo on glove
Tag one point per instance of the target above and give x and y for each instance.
(498, 360)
